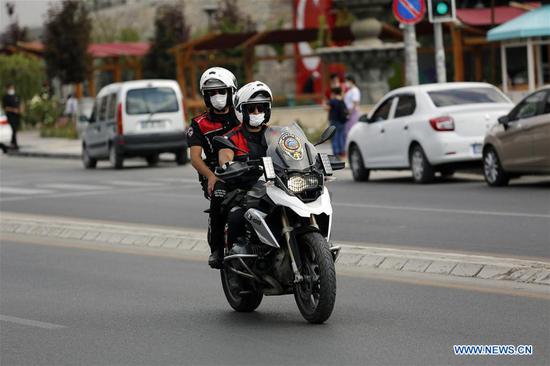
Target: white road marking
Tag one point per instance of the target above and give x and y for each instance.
(22, 191)
(443, 210)
(30, 323)
(128, 183)
(73, 186)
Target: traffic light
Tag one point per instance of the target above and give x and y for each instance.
(440, 11)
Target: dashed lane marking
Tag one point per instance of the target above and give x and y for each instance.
(30, 322)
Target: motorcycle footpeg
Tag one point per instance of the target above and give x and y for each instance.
(335, 251)
(245, 292)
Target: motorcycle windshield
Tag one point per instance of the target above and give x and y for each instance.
(289, 147)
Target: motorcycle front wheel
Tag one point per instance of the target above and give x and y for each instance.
(316, 294)
(240, 298)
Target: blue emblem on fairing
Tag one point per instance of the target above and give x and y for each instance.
(291, 146)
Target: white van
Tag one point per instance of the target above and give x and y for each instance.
(142, 118)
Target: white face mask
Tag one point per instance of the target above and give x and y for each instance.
(256, 119)
(11, 91)
(219, 101)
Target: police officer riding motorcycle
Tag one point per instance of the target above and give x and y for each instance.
(280, 214)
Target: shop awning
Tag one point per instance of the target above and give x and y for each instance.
(535, 23)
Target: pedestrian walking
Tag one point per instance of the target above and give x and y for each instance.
(337, 116)
(352, 98)
(71, 107)
(11, 103)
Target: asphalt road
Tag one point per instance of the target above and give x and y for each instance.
(67, 306)
(456, 214)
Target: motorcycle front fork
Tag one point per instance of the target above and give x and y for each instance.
(292, 245)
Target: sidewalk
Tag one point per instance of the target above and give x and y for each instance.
(31, 144)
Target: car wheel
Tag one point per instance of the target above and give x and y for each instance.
(87, 160)
(152, 160)
(422, 170)
(116, 159)
(182, 157)
(492, 169)
(358, 170)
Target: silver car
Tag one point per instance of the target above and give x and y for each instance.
(520, 142)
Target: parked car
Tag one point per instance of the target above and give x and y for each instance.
(141, 118)
(520, 143)
(5, 132)
(426, 128)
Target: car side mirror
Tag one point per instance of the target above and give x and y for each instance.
(364, 118)
(326, 135)
(504, 121)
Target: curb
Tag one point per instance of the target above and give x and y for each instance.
(39, 154)
(365, 257)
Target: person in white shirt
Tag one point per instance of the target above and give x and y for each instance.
(71, 107)
(352, 98)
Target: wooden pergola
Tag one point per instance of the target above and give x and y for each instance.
(201, 53)
(115, 57)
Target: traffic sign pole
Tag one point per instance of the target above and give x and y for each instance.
(439, 54)
(411, 57)
(408, 13)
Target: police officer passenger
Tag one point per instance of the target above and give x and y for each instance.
(217, 86)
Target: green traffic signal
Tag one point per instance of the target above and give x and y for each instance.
(442, 8)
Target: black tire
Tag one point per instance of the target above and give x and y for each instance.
(422, 170)
(241, 303)
(87, 160)
(116, 159)
(358, 170)
(315, 296)
(182, 157)
(152, 160)
(494, 175)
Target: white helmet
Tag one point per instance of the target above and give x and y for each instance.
(256, 93)
(216, 78)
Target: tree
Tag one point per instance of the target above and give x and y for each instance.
(14, 33)
(230, 19)
(25, 72)
(170, 30)
(66, 39)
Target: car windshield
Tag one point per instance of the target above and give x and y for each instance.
(151, 100)
(289, 147)
(451, 97)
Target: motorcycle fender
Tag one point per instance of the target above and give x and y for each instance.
(321, 205)
(257, 219)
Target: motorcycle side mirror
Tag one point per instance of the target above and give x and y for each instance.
(326, 135)
(223, 143)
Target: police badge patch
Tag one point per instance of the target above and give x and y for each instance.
(291, 146)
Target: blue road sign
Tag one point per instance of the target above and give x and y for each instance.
(409, 11)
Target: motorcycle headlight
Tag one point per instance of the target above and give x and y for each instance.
(298, 183)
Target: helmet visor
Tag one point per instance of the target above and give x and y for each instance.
(212, 92)
(253, 107)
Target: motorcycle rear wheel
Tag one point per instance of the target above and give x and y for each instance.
(241, 303)
(316, 294)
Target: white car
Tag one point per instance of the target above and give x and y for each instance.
(141, 118)
(5, 132)
(426, 128)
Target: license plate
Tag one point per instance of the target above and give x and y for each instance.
(152, 124)
(476, 149)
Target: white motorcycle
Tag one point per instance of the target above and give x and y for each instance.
(282, 247)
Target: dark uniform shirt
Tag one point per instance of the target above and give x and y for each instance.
(205, 127)
(253, 144)
(12, 101)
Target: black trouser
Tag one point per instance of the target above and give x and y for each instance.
(216, 218)
(14, 123)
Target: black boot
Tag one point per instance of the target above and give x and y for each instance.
(215, 260)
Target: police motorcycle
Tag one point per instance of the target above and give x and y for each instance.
(285, 247)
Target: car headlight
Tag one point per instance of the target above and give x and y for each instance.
(298, 183)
